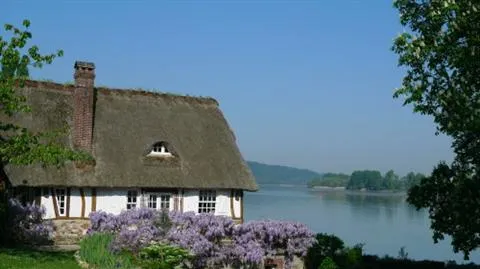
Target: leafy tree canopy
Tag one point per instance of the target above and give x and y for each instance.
(441, 53)
(18, 145)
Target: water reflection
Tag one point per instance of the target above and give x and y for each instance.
(370, 205)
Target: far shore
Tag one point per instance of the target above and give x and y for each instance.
(363, 191)
(343, 189)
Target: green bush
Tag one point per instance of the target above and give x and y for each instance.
(325, 246)
(328, 263)
(95, 250)
(163, 256)
(351, 257)
(330, 246)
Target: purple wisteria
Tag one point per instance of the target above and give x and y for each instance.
(214, 240)
(26, 225)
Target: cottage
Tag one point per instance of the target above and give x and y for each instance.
(153, 150)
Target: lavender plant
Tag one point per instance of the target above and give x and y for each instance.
(25, 224)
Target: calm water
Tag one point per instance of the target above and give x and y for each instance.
(383, 223)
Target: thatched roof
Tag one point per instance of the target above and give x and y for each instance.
(126, 124)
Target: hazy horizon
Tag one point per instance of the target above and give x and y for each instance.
(302, 83)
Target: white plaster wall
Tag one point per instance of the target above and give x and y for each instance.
(46, 201)
(222, 207)
(190, 201)
(237, 207)
(75, 203)
(114, 200)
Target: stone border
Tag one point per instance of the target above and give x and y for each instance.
(79, 260)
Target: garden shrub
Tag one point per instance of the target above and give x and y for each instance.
(25, 224)
(328, 263)
(95, 250)
(163, 256)
(326, 245)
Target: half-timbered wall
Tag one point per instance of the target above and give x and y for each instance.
(80, 202)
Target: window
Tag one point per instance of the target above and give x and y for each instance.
(131, 199)
(206, 202)
(152, 201)
(159, 201)
(165, 201)
(160, 149)
(60, 195)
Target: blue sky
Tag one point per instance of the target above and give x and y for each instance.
(302, 83)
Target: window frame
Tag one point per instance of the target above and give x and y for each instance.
(207, 201)
(161, 199)
(132, 199)
(61, 198)
(160, 149)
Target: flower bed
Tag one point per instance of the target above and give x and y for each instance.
(212, 241)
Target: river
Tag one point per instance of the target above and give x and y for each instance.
(384, 223)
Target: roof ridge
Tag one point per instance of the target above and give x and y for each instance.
(47, 84)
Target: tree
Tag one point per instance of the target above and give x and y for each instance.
(17, 144)
(412, 179)
(370, 180)
(389, 180)
(441, 54)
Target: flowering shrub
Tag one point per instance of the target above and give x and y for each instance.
(273, 237)
(25, 224)
(213, 240)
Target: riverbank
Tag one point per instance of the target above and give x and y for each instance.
(359, 192)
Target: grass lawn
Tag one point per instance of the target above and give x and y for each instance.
(23, 259)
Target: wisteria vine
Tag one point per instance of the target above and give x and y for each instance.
(25, 224)
(213, 240)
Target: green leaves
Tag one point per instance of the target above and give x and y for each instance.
(17, 144)
(440, 52)
(163, 256)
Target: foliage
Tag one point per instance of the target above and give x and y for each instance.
(26, 258)
(441, 54)
(369, 180)
(214, 241)
(25, 224)
(162, 256)
(366, 179)
(278, 174)
(18, 144)
(95, 250)
(402, 254)
(325, 246)
(330, 250)
(330, 180)
(353, 256)
(412, 179)
(328, 263)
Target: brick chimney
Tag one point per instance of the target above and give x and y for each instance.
(83, 105)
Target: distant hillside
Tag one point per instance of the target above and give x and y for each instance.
(278, 174)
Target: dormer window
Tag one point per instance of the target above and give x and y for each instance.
(160, 149)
